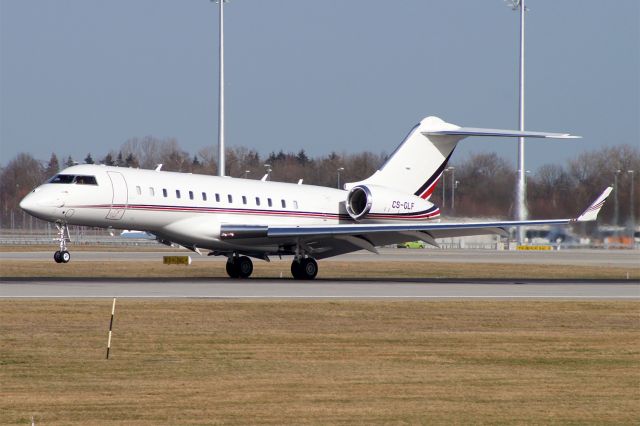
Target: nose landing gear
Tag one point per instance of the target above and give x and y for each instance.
(62, 255)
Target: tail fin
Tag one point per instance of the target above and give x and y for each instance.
(416, 166)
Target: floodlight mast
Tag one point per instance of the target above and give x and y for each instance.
(221, 159)
(521, 188)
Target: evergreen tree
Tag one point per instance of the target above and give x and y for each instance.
(302, 157)
(69, 162)
(88, 159)
(53, 166)
(119, 160)
(195, 162)
(108, 160)
(131, 161)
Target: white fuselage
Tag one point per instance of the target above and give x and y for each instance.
(184, 208)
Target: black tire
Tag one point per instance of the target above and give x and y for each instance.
(309, 268)
(244, 266)
(65, 256)
(296, 270)
(232, 269)
(57, 257)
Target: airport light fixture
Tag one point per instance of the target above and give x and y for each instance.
(521, 188)
(339, 170)
(246, 173)
(268, 169)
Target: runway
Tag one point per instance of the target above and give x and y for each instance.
(621, 258)
(320, 289)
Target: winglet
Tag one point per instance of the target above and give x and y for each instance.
(591, 213)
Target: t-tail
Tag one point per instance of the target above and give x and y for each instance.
(416, 166)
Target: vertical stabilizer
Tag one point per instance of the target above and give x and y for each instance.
(416, 166)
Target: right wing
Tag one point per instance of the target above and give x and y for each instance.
(329, 240)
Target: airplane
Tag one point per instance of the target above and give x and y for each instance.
(243, 218)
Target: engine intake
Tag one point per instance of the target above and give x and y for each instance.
(359, 202)
(379, 203)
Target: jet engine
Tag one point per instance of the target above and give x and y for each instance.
(377, 202)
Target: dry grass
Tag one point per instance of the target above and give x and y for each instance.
(202, 361)
(328, 269)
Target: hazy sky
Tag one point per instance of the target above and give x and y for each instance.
(79, 76)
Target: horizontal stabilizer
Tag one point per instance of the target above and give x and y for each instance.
(472, 131)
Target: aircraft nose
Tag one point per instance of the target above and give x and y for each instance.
(28, 203)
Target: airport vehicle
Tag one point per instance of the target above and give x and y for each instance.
(243, 219)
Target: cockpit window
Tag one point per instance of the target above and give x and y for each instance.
(62, 179)
(77, 179)
(86, 180)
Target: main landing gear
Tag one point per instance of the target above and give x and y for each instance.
(62, 255)
(239, 267)
(304, 268)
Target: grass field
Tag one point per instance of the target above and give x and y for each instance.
(206, 361)
(328, 269)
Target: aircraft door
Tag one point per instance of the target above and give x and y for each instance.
(120, 198)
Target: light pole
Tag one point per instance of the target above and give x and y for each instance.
(246, 173)
(339, 170)
(221, 159)
(616, 210)
(521, 189)
(453, 193)
(632, 218)
(444, 185)
(453, 186)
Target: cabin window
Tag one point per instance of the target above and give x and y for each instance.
(152, 192)
(164, 192)
(230, 198)
(284, 204)
(257, 201)
(138, 190)
(269, 202)
(295, 204)
(244, 200)
(177, 193)
(204, 196)
(217, 198)
(191, 195)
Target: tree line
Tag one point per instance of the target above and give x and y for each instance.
(481, 185)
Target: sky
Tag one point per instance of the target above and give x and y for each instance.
(84, 76)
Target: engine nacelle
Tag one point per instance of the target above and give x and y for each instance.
(377, 202)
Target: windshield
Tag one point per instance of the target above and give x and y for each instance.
(77, 179)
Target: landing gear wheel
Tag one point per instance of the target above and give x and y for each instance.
(296, 270)
(57, 257)
(304, 269)
(244, 266)
(232, 268)
(65, 256)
